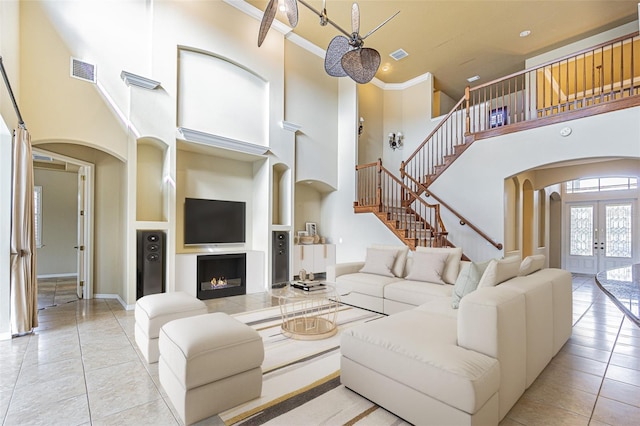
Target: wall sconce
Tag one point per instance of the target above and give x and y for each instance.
(361, 126)
(395, 140)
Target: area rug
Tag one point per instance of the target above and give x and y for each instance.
(301, 378)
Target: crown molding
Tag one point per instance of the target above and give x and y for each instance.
(139, 81)
(407, 84)
(256, 13)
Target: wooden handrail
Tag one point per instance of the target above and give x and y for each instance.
(433, 132)
(465, 222)
(379, 191)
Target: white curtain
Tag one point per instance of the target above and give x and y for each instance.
(24, 286)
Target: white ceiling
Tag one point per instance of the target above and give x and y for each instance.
(457, 39)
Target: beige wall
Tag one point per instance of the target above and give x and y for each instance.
(210, 177)
(311, 102)
(58, 256)
(371, 108)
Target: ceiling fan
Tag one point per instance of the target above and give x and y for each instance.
(346, 54)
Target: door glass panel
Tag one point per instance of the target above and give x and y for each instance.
(618, 230)
(581, 233)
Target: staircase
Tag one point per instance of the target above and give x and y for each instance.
(593, 81)
(414, 221)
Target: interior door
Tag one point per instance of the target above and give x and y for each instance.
(80, 247)
(600, 236)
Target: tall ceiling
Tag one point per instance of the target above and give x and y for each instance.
(456, 39)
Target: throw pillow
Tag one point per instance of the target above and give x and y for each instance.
(499, 271)
(379, 262)
(467, 281)
(531, 264)
(401, 257)
(452, 267)
(428, 267)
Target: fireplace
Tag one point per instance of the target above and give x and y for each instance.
(221, 275)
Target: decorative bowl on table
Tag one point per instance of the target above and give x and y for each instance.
(307, 239)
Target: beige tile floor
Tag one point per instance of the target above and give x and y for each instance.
(82, 367)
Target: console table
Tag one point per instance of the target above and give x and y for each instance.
(622, 285)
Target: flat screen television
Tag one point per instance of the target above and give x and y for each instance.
(214, 221)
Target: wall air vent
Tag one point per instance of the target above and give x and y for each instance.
(399, 54)
(83, 70)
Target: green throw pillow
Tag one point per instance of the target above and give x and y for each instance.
(467, 281)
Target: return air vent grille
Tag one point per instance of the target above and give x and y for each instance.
(399, 54)
(83, 70)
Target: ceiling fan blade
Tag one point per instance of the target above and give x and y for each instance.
(335, 52)
(355, 18)
(380, 26)
(292, 12)
(267, 19)
(361, 64)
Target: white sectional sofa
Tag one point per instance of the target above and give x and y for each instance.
(430, 363)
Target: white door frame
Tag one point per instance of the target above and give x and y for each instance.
(89, 168)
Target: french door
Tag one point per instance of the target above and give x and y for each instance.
(599, 235)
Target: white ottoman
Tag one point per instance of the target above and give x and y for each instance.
(208, 364)
(154, 311)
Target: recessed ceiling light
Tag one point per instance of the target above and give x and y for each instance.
(474, 78)
(525, 33)
(385, 68)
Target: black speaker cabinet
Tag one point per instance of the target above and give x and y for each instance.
(280, 258)
(151, 262)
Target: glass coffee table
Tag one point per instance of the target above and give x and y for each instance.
(308, 314)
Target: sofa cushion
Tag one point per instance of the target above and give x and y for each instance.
(428, 267)
(416, 292)
(401, 257)
(379, 262)
(467, 281)
(360, 282)
(452, 267)
(395, 347)
(531, 264)
(499, 271)
(439, 306)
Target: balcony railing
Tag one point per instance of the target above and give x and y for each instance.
(599, 79)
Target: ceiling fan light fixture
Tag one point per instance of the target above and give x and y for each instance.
(345, 54)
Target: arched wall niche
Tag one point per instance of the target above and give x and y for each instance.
(281, 200)
(221, 97)
(151, 190)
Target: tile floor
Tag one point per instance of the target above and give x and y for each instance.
(82, 367)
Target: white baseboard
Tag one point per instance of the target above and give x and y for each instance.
(117, 297)
(5, 336)
(68, 274)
